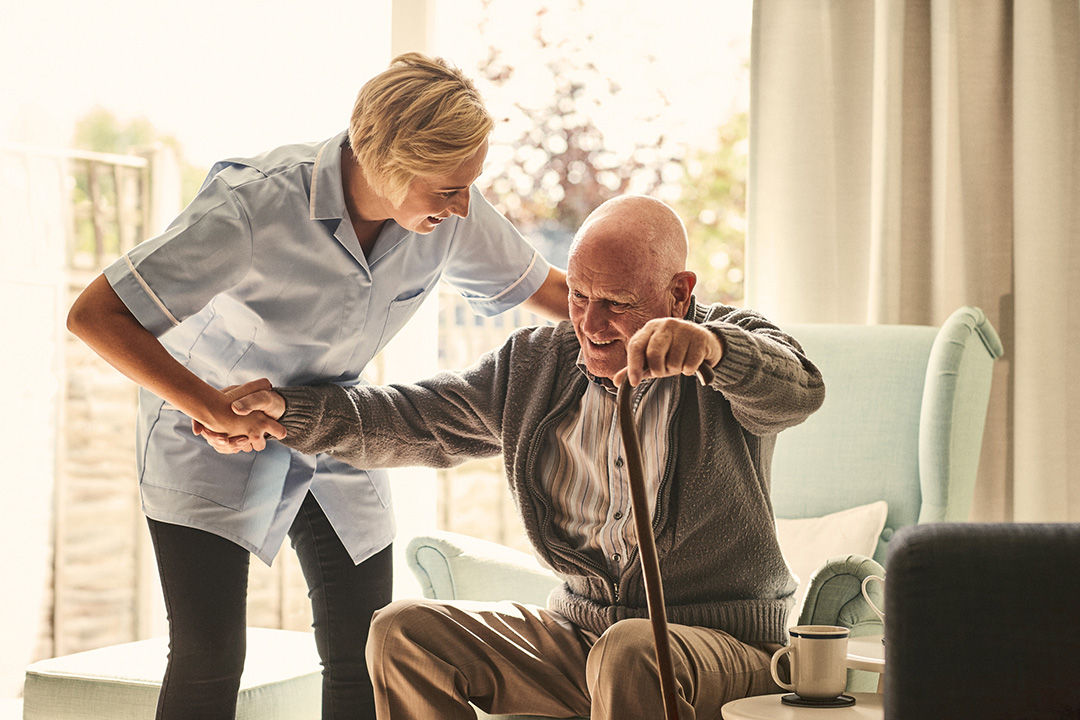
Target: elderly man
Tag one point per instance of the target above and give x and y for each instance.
(546, 401)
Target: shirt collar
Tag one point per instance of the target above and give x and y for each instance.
(602, 382)
(606, 383)
(327, 194)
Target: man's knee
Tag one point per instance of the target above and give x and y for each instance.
(388, 627)
(624, 652)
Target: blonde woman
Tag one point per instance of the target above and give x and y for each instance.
(297, 265)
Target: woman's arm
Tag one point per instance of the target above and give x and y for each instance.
(101, 320)
(551, 299)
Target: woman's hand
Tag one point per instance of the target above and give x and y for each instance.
(241, 425)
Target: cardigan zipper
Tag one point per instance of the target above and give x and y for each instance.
(530, 463)
(669, 466)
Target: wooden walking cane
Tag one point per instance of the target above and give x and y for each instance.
(650, 565)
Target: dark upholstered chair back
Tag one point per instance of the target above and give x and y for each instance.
(983, 621)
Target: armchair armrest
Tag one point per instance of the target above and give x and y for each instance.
(835, 598)
(835, 595)
(451, 566)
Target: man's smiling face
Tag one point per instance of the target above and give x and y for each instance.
(612, 295)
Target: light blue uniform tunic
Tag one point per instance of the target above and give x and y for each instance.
(262, 276)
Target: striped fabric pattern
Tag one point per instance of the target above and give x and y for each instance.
(583, 467)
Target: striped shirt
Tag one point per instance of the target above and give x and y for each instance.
(583, 467)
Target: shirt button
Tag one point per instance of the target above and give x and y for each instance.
(618, 515)
(618, 462)
(616, 557)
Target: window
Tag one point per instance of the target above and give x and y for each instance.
(593, 99)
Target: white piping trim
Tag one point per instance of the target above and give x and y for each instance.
(532, 264)
(153, 296)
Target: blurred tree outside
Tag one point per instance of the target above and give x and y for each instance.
(99, 130)
(557, 168)
(549, 167)
(712, 203)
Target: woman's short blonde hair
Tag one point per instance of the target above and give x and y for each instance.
(420, 116)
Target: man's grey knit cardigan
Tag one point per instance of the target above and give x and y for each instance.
(715, 534)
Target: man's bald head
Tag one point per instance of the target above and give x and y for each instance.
(627, 266)
(639, 228)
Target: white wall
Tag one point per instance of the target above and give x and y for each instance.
(32, 219)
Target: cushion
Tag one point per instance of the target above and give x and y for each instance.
(807, 543)
(282, 679)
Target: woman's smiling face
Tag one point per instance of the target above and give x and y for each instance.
(433, 198)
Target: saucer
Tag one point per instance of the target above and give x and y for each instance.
(836, 702)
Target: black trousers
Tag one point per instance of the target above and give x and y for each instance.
(204, 581)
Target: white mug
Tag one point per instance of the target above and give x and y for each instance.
(866, 596)
(818, 658)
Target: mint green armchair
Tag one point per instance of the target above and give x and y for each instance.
(902, 422)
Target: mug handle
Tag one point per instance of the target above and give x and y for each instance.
(866, 595)
(772, 667)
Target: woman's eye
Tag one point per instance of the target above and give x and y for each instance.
(446, 195)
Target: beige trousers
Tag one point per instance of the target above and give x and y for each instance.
(430, 659)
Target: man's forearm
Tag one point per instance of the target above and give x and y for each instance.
(369, 426)
(769, 382)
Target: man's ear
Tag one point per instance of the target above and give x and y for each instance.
(682, 286)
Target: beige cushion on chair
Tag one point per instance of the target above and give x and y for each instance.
(282, 679)
(808, 543)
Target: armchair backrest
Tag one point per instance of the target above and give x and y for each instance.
(902, 421)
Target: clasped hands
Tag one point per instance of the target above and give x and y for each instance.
(256, 408)
(661, 348)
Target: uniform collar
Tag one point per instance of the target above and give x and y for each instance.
(327, 194)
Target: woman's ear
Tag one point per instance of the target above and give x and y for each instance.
(682, 287)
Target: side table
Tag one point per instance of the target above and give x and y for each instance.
(868, 706)
(866, 653)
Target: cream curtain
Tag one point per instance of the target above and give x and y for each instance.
(911, 156)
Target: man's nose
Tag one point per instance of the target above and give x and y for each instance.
(596, 317)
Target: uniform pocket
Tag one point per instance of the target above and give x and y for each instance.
(177, 459)
(219, 348)
(401, 309)
(362, 487)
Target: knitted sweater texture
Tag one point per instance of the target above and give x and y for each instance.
(715, 535)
